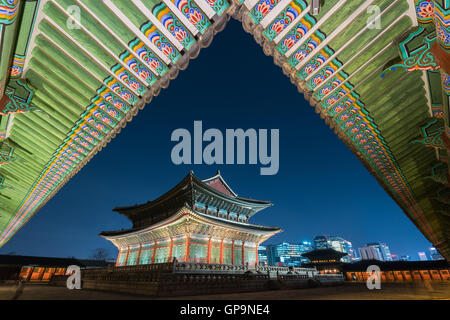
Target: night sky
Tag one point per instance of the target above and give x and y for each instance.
(321, 187)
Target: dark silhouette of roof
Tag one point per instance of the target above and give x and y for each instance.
(324, 254)
(396, 265)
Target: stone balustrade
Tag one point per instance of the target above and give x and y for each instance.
(180, 267)
(232, 268)
(188, 278)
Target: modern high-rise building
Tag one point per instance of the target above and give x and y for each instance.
(356, 255)
(321, 242)
(336, 243)
(287, 254)
(262, 256)
(343, 245)
(306, 246)
(434, 254)
(422, 256)
(382, 249)
(405, 258)
(369, 253)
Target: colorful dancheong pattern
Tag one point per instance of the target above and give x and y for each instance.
(193, 13)
(160, 41)
(284, 19)
(173, 25)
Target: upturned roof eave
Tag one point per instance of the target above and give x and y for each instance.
(198, 185)
(111, 235)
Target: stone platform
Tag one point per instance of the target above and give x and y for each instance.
(182, 279)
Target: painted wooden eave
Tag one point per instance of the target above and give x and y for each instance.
(70, 69)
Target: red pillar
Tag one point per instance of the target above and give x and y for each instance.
(118, 257)
(139, 254)
(243, 253)
(186, 253)
(232, 251)
(126, 259)
(257, 259)
(171, 249)
(209, 251)
(221, 251)
(155, 246)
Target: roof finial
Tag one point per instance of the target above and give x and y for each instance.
(218, 172)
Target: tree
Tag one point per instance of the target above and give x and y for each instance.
(100, 254)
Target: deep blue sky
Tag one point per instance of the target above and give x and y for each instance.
(321, 187)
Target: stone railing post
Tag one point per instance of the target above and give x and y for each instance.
(174, 265)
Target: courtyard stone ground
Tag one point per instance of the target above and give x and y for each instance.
(349, 291)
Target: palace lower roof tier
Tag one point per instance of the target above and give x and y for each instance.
(189, 236)
(197, 221)
(73, 73)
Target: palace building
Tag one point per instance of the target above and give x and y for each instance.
(200, 221)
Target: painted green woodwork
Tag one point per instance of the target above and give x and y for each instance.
(237, 254)
(162, 254)
(250, 255)
(432, 134)
(215, 254)
(198, 251)
(19, 98)
(227, 254)
(179, 250)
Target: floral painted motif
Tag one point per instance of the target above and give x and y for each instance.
(104, 117)
(315, 62)
(342, 100)
(306, 48)
(128, 79)
(445, 82)
(193, 13)
(99, 125)
(124, 93)
(88, 138)
(262, 8)
(78, 148)
(219, 6)
(324, 74)
(17, 66)
(144, 73)
(173, 25)
(113, 99)
(149, 58)
(442, 23)
(331, 85)
(425, 11)
(346, 103)
(160, 41)
(91, 131)
(82, 142)
(444, 36)
(284, 19)
(107, 108)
